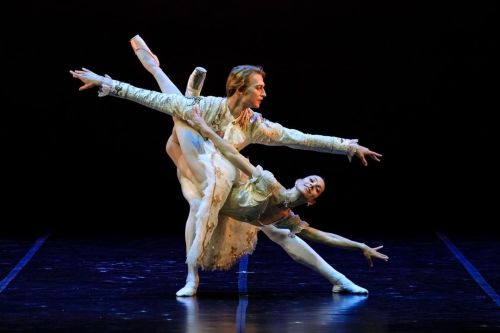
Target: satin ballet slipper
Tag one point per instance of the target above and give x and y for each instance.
(195, 82)
(148, 59)
(346, 286)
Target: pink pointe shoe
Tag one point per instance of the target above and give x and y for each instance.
(148, 59)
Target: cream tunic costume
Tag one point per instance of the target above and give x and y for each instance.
(221, 240)
(248, 200)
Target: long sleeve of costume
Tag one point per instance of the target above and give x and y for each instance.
(273, 134)
(213, 108)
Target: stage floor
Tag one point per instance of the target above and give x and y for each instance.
(70, 283)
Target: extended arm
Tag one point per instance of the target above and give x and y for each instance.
(342, 242)
(171, 104)
(297, 226)
(273, 134)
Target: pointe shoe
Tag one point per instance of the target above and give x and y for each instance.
(346, 286)
(188, 290)
(195, 82)
(146, 57)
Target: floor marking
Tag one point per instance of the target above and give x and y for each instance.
(242, 276)
(20, 265)
(471, 269)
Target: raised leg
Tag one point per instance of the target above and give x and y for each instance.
(183, 147)
(151, 63)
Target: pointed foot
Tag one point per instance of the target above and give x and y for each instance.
(346, 286)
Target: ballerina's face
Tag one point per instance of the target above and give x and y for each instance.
(311, 187)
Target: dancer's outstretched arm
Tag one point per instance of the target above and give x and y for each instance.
(334, 240)
(172, 104)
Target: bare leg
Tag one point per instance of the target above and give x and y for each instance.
(183, 152)
(301, 252)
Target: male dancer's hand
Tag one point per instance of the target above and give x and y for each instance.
(363, 152)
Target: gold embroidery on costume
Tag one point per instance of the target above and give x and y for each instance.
(243, 119)
(216, 200)
(218, 172)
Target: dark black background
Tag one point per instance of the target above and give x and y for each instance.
(415, 82)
